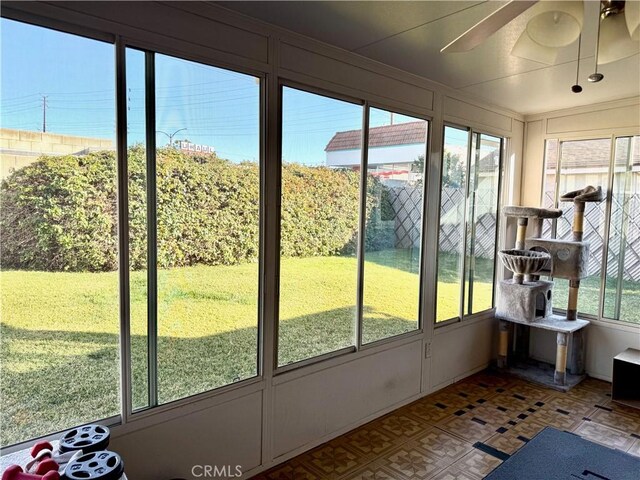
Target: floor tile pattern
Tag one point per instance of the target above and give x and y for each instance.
(462, 431)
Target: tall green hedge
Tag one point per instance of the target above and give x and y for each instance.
(60, 213)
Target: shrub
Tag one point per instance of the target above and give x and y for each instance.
(60, 213)
(319, 211)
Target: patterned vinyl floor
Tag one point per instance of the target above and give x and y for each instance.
(464, 431)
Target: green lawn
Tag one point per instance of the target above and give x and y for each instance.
(59, 331)
(589, 297)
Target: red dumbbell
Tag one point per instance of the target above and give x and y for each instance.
(45, 466)
(39, 446)
(43, 462)
(14, 472)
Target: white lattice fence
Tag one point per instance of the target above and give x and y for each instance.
(594, 234)
(407, 206)
(631, 270)
(451, 209)
(485, 223)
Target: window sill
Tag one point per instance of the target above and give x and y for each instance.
(27, 444)
(605, 322)
(448, 326)
(616, 324)
(341, 357)
(189, 405)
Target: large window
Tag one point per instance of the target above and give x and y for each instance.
(393, 232)
(59, 280)
(622, 294)
(193, 223)
(135, 259)
(350, 243)
(469, 203)
(194, 197)
(319, 226)
(588, 162)
(582, 163)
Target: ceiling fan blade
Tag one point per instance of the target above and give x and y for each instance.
(488, 26)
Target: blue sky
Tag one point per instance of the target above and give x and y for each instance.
(77, 80)
(217, 107)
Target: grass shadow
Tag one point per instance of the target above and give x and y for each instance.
(53, 380)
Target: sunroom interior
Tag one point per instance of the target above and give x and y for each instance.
(266, 239)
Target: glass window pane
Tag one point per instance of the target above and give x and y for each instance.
(483, 198)
(137, 175)
(393, 234)
(208, 199)
(582, 163)
(321, 156)
(58, 224)
(549, 183)
(452, 224)
(622, 294)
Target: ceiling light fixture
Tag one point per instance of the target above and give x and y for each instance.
(553, 25)
(632, 17)
(527, 48)
(615, 40)
(556, 24)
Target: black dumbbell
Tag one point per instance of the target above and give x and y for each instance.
(89, 438)
(102, 465)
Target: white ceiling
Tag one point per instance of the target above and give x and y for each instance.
(409, 36)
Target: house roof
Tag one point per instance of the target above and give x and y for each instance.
(388, 135)
(595, 153)
(395, 135)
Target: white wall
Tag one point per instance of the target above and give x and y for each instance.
(605, 339)
(314, 406)
(267, 420)
(224, 434)
(377, 155)
(459, 350)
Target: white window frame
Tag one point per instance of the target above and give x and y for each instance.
(612, 135)
(471, 132)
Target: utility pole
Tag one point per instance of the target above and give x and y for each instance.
(44, 113)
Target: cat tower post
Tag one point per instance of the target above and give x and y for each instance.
(579, 198)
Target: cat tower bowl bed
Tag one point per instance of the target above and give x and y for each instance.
(523, 262)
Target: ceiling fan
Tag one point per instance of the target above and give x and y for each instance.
(557, 24)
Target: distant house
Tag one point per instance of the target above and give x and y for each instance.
(587, 163)
(393, 149)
